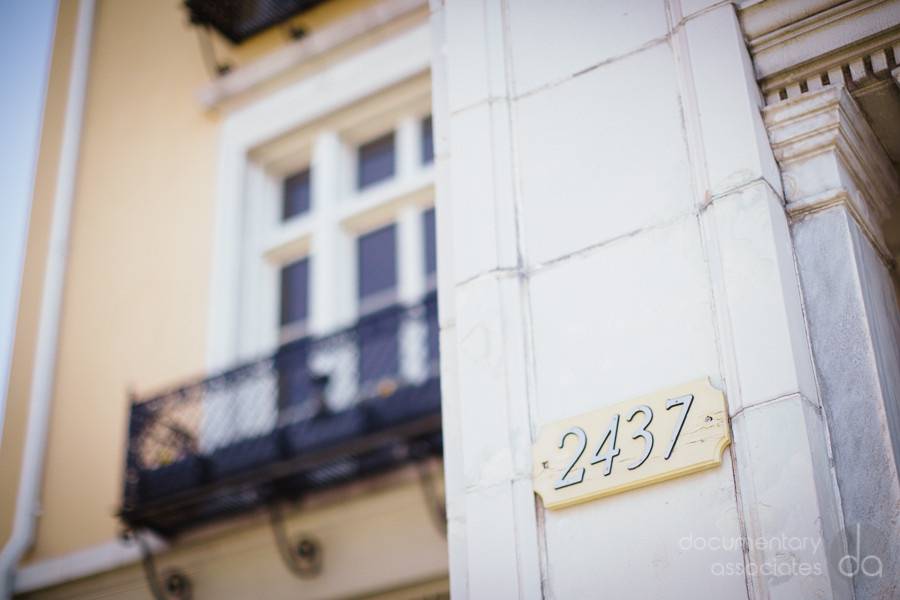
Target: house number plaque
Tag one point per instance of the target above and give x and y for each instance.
(653, 438)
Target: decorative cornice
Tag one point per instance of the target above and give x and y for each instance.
(829, 155)
(821, 19)
(854, 67)
(784, 35)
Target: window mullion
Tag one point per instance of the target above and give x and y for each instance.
(257, 320)
(330, 294)
(409, 147)
(410, 255)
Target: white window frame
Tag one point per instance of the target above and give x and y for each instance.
(253, 134)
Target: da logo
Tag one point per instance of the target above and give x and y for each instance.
(861, 558)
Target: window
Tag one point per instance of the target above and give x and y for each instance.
(430, 242)
(431, 316)
(377, 253)
(275, 142)
(379, 346)
(427, 141)
(294, 292)
(311, 266)
(378, 330)
(293, 384)
(295, 195)
(375, 161)
(287, 264)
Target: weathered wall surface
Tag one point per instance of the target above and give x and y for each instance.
(611, 222)
(855, 332)
(841, 191)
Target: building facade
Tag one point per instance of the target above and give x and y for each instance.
(260, 335)
(364, 299)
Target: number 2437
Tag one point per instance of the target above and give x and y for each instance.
(573, 477)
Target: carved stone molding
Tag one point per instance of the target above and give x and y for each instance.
(829, 156)
(856, 68)
(786, 35)
(801, 46)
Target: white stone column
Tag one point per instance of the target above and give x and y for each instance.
(610, 223)
(780, 441)
(492, 523)
(841, 191)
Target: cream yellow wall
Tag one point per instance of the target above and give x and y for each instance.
(135, 301)
(136, 296)
(140, 246)
(372, 543)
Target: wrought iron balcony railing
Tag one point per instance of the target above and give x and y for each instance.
(317, 412)
(239, 20)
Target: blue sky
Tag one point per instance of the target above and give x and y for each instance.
(26, 33)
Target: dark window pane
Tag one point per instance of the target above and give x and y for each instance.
(377, 261)
(294, 291)
(293, 374)
(434, 332)
(427, 141)
(296, 195)
(430, 242)
(379, 346)
(376, 160)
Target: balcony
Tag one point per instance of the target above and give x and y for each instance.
(317, 413)
(239, 20)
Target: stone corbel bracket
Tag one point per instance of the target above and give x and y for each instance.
(829, 156)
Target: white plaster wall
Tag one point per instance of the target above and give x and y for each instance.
(610, 222)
